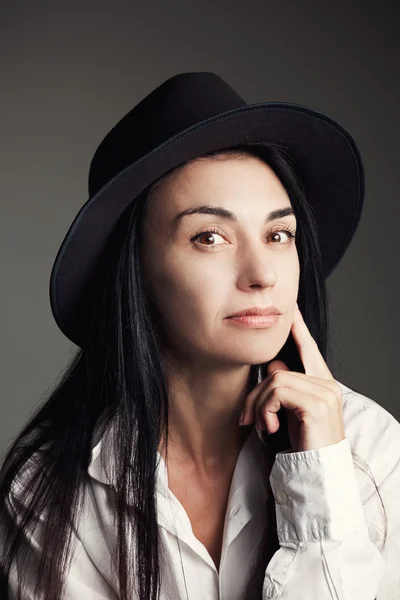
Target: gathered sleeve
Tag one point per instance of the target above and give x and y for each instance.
(325, 549)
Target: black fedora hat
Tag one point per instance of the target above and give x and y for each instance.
(187, 115)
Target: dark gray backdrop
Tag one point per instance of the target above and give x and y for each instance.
(69, 72)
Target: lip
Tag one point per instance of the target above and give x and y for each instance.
(255, 322)
(256, 311)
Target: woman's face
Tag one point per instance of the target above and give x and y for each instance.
(196, 284)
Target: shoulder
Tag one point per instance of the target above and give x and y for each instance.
(94, 511)
(366, 418)
(373, 433)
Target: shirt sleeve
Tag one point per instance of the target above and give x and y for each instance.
(83, 581)
(325, 549)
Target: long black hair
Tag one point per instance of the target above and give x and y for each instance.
(119, 379)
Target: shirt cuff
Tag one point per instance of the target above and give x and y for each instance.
(316, 494)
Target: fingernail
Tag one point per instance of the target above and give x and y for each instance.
(241, 418)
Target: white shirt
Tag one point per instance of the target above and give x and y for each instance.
(330, 522)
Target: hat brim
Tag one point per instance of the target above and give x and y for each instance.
(325, 157)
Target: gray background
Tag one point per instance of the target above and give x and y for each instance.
(70, 72)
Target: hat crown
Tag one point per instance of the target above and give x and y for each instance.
(182, 101)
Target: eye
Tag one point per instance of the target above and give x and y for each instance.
(290, 233)
(203, 233)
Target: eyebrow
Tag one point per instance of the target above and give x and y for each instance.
(219, 211)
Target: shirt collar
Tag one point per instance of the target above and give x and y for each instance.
(248, 470)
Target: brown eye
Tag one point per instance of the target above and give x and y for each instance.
(205, 235)
(214, 230)
(289, 232)
(209, 232)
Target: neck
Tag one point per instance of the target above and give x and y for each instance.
(203, 418)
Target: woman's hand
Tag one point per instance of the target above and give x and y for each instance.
(313, 399)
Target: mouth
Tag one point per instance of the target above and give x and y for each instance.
(256, 311)
(254, 321)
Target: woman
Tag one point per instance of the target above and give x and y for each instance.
(135, 479)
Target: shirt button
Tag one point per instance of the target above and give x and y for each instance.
(281, 497)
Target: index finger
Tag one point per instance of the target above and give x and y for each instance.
(311, 357)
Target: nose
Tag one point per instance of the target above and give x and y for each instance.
(257, 268)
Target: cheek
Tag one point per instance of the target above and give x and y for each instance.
(196, 288)
(292, 275)
(288, 289)
(174, 283)
(288, 277)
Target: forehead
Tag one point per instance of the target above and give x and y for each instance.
(238, 182)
